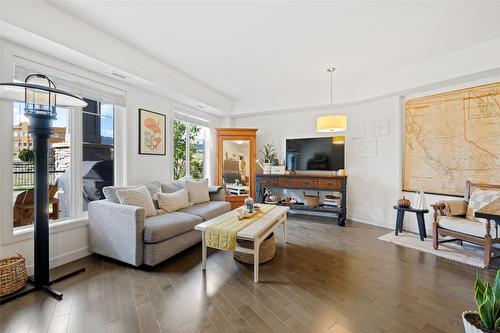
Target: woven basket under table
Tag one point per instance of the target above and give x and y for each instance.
(267, 250)
(13, 274)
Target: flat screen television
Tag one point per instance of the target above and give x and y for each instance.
(324, 154)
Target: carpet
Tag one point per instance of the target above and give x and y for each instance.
(472, 256)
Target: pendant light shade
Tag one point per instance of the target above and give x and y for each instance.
(331, 123)
(338, 140)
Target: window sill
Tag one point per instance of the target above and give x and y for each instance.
(26, 233)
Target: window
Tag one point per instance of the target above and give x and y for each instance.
(97, 150)
(94, 158)
(190, 150)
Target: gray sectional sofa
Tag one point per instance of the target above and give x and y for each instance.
(123, 233)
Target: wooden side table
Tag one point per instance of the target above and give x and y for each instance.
(420, 220)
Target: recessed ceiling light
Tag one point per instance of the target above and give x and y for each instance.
(118, 75)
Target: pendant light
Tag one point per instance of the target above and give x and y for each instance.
(331, 123)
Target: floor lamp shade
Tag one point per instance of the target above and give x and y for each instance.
(331, 123)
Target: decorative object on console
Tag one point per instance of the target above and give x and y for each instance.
(331, 123)
(419, 201)
(311, 200)
(269, 155)
(152, 135)
(403, 202)
(41, 98)
(278, 169)
(487, 317)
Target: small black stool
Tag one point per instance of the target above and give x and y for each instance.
(420, 220)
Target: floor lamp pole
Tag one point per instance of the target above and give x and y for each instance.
(41, 129)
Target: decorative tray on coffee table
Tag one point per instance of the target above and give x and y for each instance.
(249, 215)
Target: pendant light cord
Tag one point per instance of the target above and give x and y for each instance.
(331, 87)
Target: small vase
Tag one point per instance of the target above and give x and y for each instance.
(267, 168)
(468, 327)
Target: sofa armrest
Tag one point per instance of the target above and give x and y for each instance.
(216, 193)
(117, 231)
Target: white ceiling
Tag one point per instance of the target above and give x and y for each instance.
(264, 50)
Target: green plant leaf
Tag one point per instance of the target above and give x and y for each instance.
(479, 289)
(496, 286)
(497, 323)
(486, 313)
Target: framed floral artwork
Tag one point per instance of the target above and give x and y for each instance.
(152, 136)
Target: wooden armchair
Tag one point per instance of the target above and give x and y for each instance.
(455, 218)
(24, 206)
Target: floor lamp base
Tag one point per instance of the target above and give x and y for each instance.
(31, 287)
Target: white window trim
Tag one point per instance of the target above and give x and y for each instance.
(9, 234)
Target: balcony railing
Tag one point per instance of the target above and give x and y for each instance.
(24, 175)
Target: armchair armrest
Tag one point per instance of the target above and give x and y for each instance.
(116, 231)
(438, 210)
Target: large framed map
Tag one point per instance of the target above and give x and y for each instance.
(451, 138)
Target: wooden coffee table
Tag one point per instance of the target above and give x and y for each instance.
(256, 232)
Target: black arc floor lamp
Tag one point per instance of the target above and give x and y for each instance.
(41, 99)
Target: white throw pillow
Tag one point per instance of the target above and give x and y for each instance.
(198, 191)
(137, 197)
(478, 199)
(170, 202)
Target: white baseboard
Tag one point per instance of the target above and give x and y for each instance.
(64, 258)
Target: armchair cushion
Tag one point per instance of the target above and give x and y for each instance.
(454, 207)
(465, 226)
(479, 199)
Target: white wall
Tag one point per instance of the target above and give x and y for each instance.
(70, 242)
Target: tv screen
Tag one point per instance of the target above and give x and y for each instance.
(315, 154)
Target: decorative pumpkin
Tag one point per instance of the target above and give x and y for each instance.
(405, 203)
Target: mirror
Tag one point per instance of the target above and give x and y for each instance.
(236, 166)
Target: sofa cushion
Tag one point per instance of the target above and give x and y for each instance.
(173, 186)
(171, 202)
(208, 210)
(139, 197)
(465, 226)
(478, 199)
(198, 191)
(165, 226)
(110, 191)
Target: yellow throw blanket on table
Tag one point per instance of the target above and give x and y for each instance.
(222, 235)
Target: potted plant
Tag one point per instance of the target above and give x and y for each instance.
(487, 317)
(269, 154)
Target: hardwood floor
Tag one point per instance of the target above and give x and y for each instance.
(326, 279)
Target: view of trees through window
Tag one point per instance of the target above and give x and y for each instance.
(189, 150)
